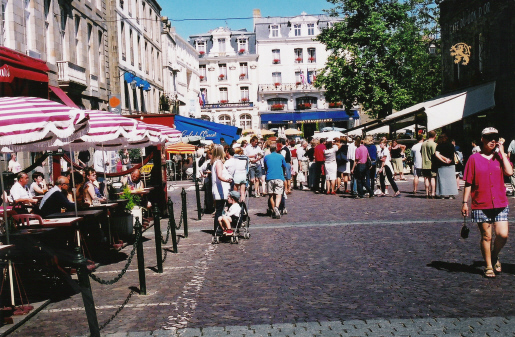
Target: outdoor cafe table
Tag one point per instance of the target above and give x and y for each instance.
(105, 207)
(84, 215)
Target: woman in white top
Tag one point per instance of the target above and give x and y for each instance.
(220, 182)
(330, 167)
(386, 170)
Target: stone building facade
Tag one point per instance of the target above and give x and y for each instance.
(135, 54)
(228, 69)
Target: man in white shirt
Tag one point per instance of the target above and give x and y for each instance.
(475, 148)
(302, 177)
(20, 191)
(417, 162)
(101, 163)
(255, 153)
(351, 155)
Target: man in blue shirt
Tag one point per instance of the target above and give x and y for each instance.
(274, 168)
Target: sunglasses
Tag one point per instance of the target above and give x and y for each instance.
(491, 137)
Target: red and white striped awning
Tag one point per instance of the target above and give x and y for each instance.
(28, 122)
(168, 134)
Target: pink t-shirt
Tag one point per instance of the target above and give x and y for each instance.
(487, 180)
(361, 154)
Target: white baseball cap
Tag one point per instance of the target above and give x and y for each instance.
(489, 130)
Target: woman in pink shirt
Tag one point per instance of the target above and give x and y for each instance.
(484, 182)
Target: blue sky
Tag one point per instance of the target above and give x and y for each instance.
(207, 9)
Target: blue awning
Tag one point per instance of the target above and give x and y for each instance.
(205, 129)
(307, 117)
(140, 83)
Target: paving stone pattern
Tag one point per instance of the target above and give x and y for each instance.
(341, 273)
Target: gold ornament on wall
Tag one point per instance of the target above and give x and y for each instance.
(461, 53)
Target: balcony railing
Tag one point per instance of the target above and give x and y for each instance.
(70, 72)
(228, 105)
(272, 87)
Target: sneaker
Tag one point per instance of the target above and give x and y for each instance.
(358, 197)
(304, 188)
(284, 211)
(277, 213)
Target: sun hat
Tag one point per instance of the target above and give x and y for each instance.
(235, 195)
(489, 130)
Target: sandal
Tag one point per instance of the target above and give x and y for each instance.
(489, 272)
(497, 266)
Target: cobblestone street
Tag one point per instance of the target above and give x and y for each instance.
(333, 266)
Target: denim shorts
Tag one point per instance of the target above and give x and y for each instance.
(287, 172)
(490, 215)
(255, 171)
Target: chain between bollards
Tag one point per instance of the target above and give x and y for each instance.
(87, 295)
(184, 212)
(158, 238)
(197, 188)
(171, 220)
(141, 259)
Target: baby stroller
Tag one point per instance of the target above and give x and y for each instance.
(240, 226)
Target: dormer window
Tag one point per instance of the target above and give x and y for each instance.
(296, 29)
(242, 46)
(201, 47)
(311, 29)
(221, 45)
(274, 30)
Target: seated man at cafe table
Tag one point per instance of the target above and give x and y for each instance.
(20, 192)
(55, 199)
(134, 181)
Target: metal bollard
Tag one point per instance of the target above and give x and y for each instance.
(87, 295)
(184, 212)
(141, 259)
(171, 218)
(197, 189)
(157, 233)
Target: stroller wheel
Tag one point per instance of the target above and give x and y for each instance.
(215, 239)
(246, 235)
(234, 239)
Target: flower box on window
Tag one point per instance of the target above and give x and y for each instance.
(201, 53)
(276, 61)
(241, 51)
(277, 84)
(201, 77)
(336, 105)
(223, 101)
(303, 106)
(311, 59)
(298, 59)
(277, 107)
(242, 76)
(244, 99)
(221, 76)
(298, 83)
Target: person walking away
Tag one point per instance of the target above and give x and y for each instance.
(240, 173)
(220, 182)
(458, 163)
(286, 153)
(484, 183)
(386, 170)
(417, 162)
(343, 164)
(330, 167)
(446, 174)
(303, 166)
(427, 151)
(274, 167)
(254, 153)
(372, 153)
(208, 193)
(319, 166)
(360, 169)
(396, 153)
(310, 153)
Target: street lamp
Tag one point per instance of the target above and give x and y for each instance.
(351, 122)
(432, 49)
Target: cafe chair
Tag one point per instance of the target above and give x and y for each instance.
(23, 220)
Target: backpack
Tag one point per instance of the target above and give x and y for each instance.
(287, 157)
(341, 156)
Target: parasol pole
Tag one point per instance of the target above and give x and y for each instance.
(6, 224)
(104, 166)
(74, 189)
(144, 178)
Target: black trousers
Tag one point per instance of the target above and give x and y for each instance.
(389, 175)
(318, 176)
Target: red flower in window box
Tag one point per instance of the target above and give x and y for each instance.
(201, 77)
(335, 104)
(223, 101)
(241, 51)
(201, 53)
(311, 59)
(244, 99)
(277, 107)
(298, 59)
(221, 76)
(277, 84)
(303, 106)
(276, 61)
(298, 83)
(243, 75)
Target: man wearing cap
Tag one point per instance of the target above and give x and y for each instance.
(484, 183)
(232, 214)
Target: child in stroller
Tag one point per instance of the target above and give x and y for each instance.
(232, 214)
(233, 219)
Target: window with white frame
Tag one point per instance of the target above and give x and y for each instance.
(65, 46)
(140, 56)
(276, 78)
(222, 71)
(136, 7)
(101, 63)
(244, 94)
(77, 41)
(129, 6)
(221, 45)
(276, 56)
(205, 118)
(298, 79)
(131, 47)
(311, 29)
(202, 71)
(298, 55)
(91, 46)
(203, 96)
(242, 45)
(312, 55)
(296, 28)
(3, 22)
(223, 95)
(245, 121)
(224, 119)
(123, 40)
(274, 30)
(244, 70)
(28, 25)
(48, 18)
(312, 75)
(201, 47)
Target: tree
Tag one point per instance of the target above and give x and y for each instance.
(380, 54)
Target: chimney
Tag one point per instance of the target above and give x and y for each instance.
(256, 14)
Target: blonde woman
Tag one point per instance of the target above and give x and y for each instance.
(220, 181)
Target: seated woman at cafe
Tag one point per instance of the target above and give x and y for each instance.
(78, 180)
(55, 200)
(90, 188)
(38, 187)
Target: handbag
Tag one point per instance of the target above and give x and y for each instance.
(464, 229)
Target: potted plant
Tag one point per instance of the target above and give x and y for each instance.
(201, 77)
(277, 107)
(242, 76)
(221, 76)
(298, 83)
(276, 61)
(123, 222)
(201, 53)
(298, 59)
(277, 84)
(244, 99)
(241, 51)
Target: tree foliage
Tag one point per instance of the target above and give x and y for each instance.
(380, 54)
